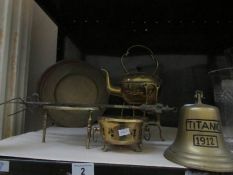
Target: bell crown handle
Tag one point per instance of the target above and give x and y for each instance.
(199, 96)
(153, 57)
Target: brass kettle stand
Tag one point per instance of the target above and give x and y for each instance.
(149, 124)
(69, 108)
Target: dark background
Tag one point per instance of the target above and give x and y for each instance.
(109, 26)
(190, 38)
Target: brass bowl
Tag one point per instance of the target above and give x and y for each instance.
(119, 131)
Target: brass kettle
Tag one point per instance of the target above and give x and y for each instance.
(136, 88)
(199, 142)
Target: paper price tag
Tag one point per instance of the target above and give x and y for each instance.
(123, 132)
(4, 166)
(83, 169)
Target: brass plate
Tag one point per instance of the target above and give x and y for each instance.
(73, 82)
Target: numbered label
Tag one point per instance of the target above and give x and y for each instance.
(205, 141)
(83, 169)
(124, 132)
(4, 166)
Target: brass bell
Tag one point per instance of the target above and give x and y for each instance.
(199, 142)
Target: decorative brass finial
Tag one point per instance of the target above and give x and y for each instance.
(199, 96)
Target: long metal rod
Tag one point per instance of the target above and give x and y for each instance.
(157, 108)
(144, 107)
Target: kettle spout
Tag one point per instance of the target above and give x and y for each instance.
(111, 89)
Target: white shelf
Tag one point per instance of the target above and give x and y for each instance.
(68, 144)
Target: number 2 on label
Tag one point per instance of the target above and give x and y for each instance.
(82, 168)
(82, 171)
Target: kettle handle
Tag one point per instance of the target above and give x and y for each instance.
(154, 59)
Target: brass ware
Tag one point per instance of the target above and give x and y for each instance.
(73, 81)
(157, 109)
(90, 111)
(149, 124)
(199, 142)
(121, 131)
(136, 88)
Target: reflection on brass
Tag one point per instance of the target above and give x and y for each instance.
(119, 131)
(199, 142)
(136, 88)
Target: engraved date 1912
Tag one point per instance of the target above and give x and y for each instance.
(205, 141)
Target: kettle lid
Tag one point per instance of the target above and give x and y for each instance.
(139, 78)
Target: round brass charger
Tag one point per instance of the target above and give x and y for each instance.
(73, 82)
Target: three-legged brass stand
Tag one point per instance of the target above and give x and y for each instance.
(73, 108)
(146, 129)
